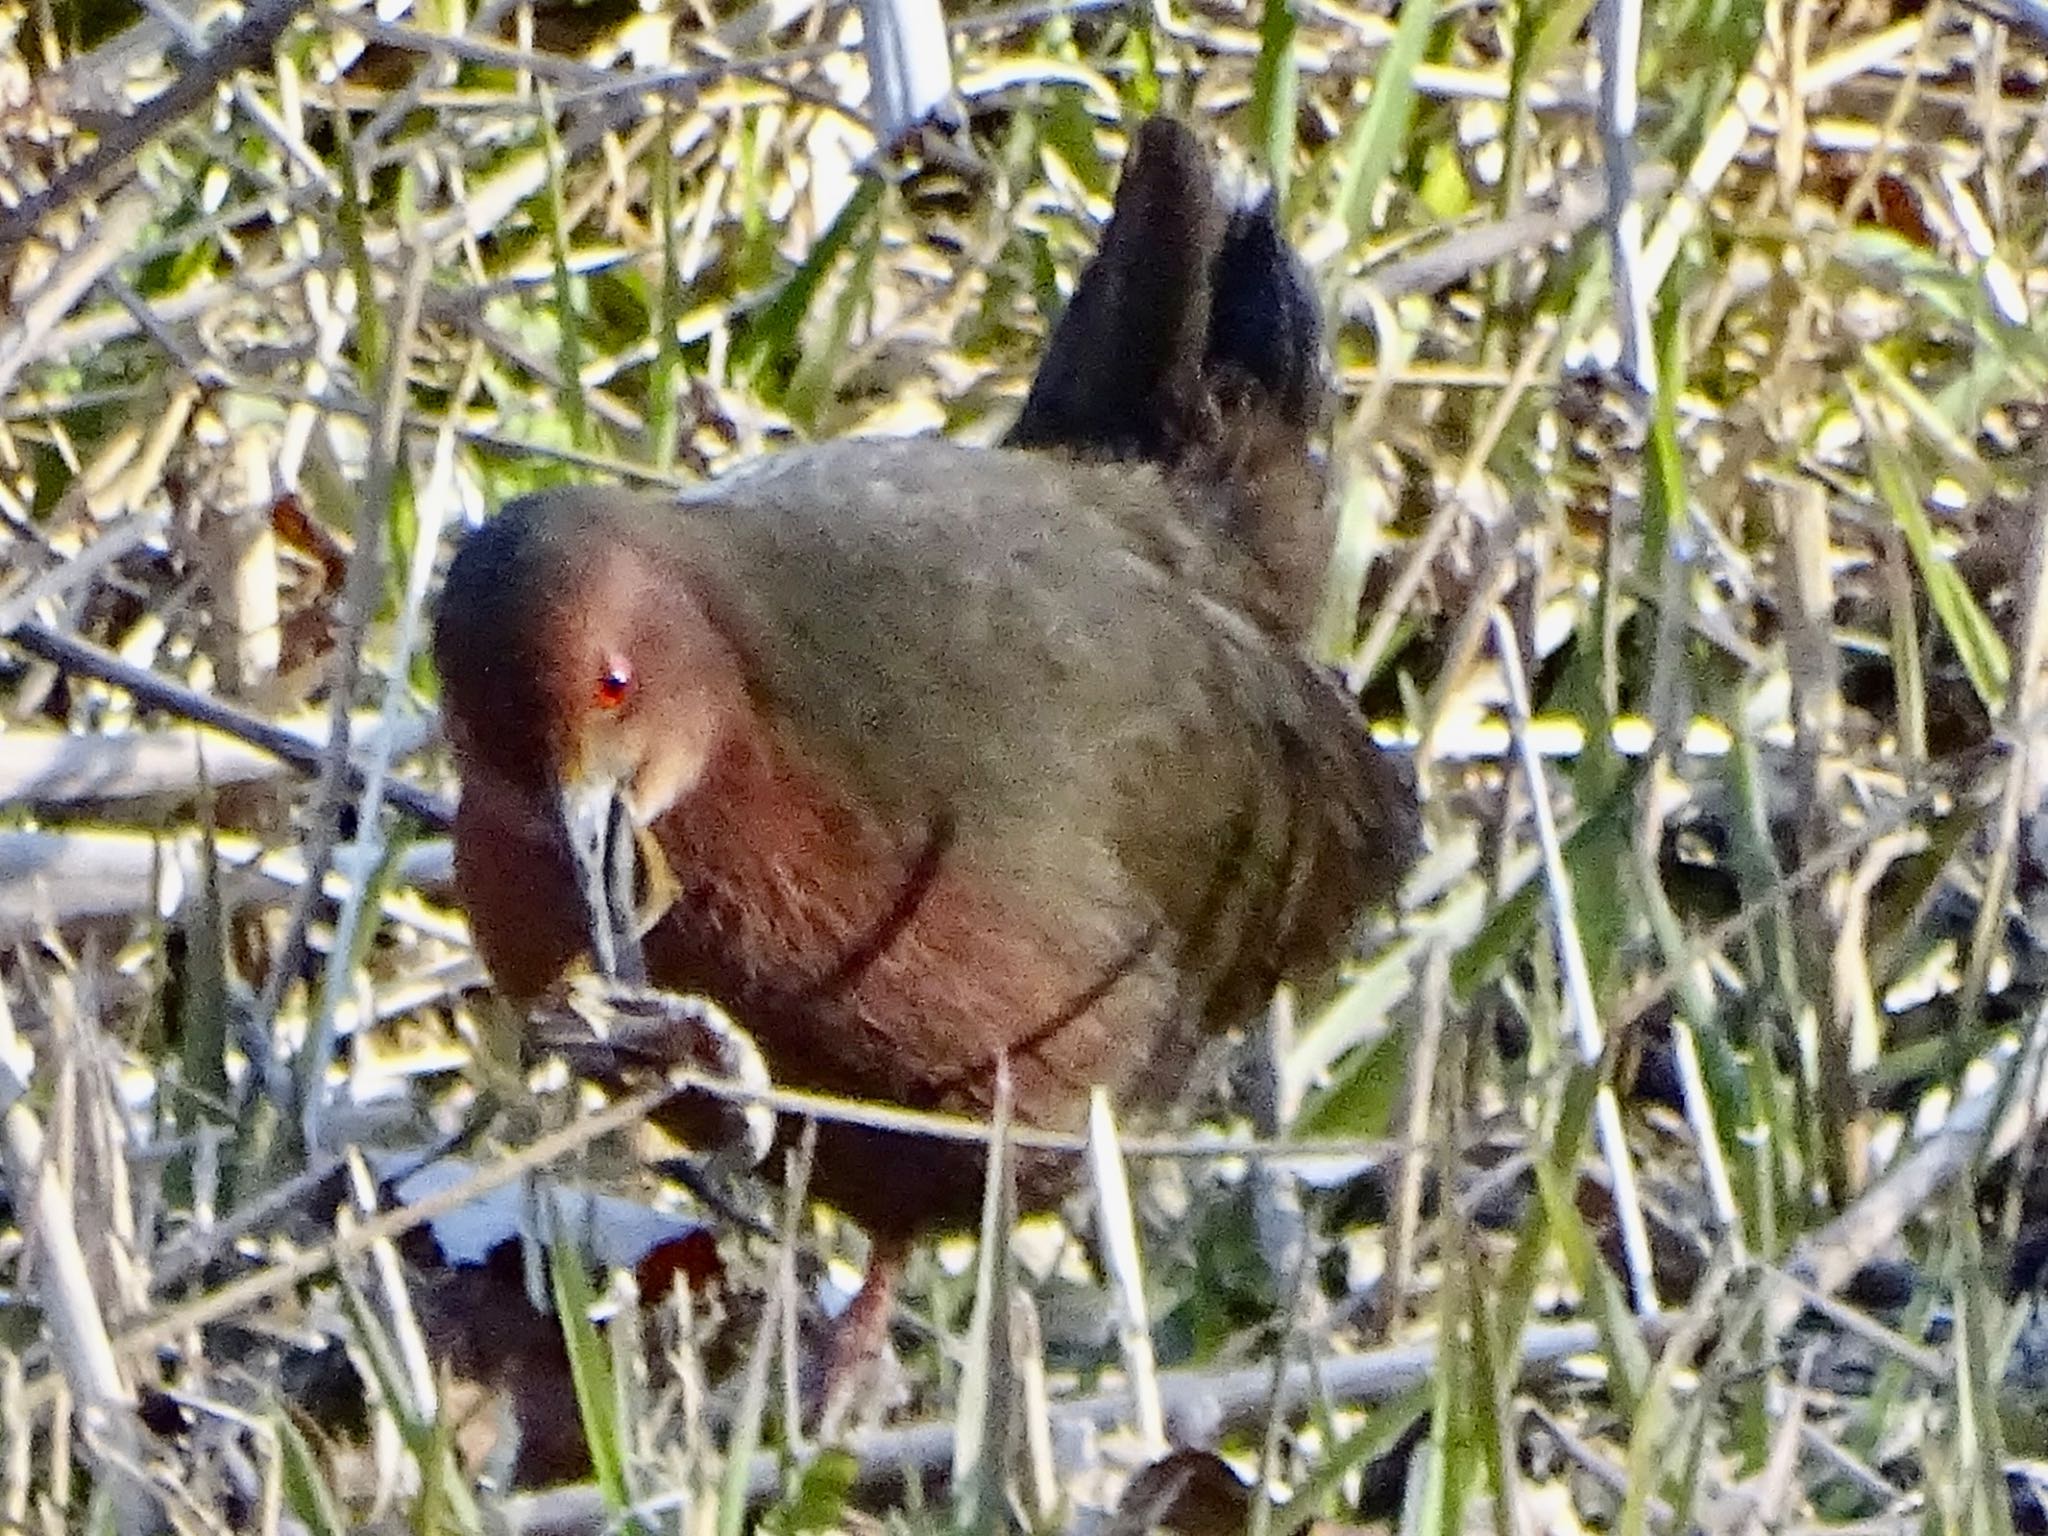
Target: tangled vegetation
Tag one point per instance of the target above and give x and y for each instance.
(1667, 1164)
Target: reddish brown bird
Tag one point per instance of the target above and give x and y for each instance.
(955, 755)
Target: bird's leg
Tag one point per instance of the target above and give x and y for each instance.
(860, 1336)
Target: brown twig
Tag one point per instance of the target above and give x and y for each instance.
(245, 47)
(1227, 1398)
(155, 691)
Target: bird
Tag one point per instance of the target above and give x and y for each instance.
(958, 760)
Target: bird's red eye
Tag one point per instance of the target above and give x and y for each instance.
(614, 684)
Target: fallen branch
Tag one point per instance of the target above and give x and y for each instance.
(1208, 1402)
(158, 692)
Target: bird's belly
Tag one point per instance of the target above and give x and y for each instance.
(922, 1012)
(897, 1185)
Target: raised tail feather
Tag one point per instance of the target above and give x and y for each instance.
(1194, 343)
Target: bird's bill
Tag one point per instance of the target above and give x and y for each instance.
(601, 835)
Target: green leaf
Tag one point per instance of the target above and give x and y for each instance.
(824, 353)
(767, 340)
(1276, 92)
(1362, 1101)
(1376, 138)
(552, 210)
(817, 1502)
(306, 1493)
(198, 983)
(590, 1364)
(1977, 643)
(1320, 1495)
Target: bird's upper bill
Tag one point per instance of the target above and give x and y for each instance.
(600, 830)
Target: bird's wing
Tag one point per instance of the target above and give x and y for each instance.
(1044, 655)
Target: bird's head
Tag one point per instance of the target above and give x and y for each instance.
(584, 678)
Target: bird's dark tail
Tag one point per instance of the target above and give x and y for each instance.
(1194, 343)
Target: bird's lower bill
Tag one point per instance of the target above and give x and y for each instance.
(601, 834)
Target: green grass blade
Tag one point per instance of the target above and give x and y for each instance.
(1276, 93)
(1376, 139)
(590, 1365)
(1969, 630)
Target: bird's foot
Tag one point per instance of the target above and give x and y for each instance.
(620, 1035)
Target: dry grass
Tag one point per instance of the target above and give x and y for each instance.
(1713, 1024)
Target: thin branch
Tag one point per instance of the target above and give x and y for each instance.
(155, 691)
(1578, 984)
(1226, 1399)
(109, 238)
(1620, 25)
(247, 46)
(359, 600)
(239, 1296)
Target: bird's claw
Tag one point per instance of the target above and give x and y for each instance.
(607, 1029)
